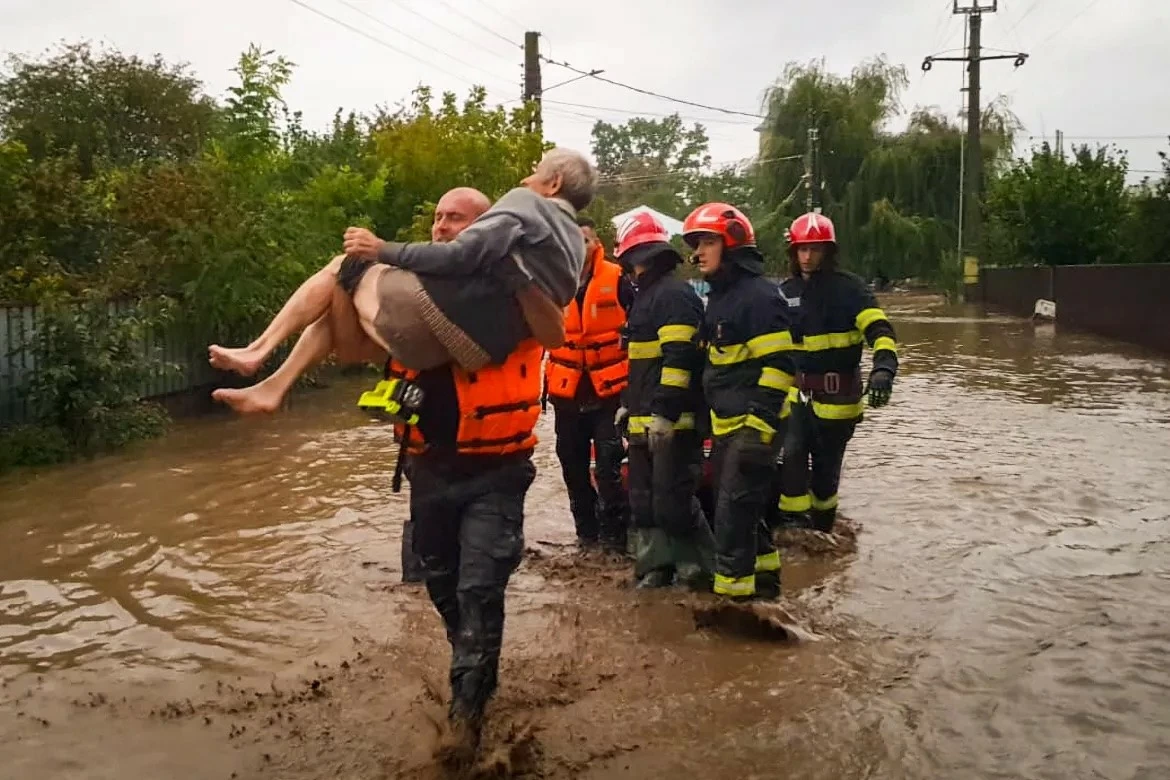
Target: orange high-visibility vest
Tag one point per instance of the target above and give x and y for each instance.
(593, 338)
(498, 404)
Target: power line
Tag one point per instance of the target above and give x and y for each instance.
(1160, 137)
(1068, 24)
(1035, 4)
(379, 41)
(622, 178)
(404, 6)
(501, 15)
(480, 24)
(408, 36)
(647, 113)
(567, 66)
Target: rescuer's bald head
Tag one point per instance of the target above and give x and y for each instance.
(457, 209)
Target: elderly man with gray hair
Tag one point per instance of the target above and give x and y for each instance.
(469, 302)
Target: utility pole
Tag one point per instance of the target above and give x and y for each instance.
(971, 219)
(812, 170)
(532, 88)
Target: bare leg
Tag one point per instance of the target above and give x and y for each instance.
(311, 348)
(338, 332)
(311, 300)
(351, 343)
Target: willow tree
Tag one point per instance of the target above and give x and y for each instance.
(893, 195)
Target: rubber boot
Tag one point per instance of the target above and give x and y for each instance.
(822, 520)
(767, 585)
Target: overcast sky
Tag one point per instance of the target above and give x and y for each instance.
(1098, 67)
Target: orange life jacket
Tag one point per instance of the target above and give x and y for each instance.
(593, 338)
(498, 405)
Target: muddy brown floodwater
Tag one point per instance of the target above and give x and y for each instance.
(224, 603)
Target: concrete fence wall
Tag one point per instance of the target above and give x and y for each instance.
(1126, 302)
(18, 363)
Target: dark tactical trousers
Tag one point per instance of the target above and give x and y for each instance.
(747, 564)
(469, 536)
(672, 536)
(601, 513)
(814, 453)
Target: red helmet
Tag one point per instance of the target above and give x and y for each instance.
(721, 219)
(811, 228)
(637, 229)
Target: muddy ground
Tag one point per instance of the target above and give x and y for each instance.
(587, 697)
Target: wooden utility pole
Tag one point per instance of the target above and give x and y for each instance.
(973, 149)
(532, 88)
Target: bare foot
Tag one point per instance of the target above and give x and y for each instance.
(242, 360)
(249, 400)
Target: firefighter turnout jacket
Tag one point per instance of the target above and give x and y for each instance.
(748, 347)
(831, 314)
(665, 361)
(593, 349)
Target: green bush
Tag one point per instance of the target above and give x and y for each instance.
(92, 366)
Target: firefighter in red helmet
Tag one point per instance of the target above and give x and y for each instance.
(832, 313)
(745, 329)
(662, 408)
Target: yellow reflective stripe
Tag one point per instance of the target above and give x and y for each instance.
(722, 426)
(825, 503)
(786, 410)
(770, 343)
(641, 423)
(795, 503)
(645, 350)
(728, 354)
(775, 379)
(868, 317)
(675, 377)
(832, 340)
(885, 342)
(768, 561)
(766, 431)
(735, 586)
(838, 411)
(668, 333)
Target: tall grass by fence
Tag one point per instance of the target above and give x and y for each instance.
(18, 363)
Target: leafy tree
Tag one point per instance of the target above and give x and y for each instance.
(893, 195)
(653, 162)
(103, 106)
(1061, 211)
(1150, 233)
(423, 151)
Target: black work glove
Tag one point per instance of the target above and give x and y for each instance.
(881, 385)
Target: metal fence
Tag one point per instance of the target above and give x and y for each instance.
(1126, 302)
(18, 324)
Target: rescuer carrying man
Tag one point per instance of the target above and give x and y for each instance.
(672, 540)
(584, 380)
(831, 314)
(745, 330)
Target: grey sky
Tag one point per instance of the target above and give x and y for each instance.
(1097, 71)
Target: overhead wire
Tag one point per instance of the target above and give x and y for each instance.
(1069, 22)
(408, 36)
(650, 93)
(455, 33)
(480, 24)
(507, 19)
(646, 113)
(379, 41)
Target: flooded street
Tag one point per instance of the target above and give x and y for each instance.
(225, 602)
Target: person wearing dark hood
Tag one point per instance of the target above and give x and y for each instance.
(832, 313)
(584, 380)
(662, 410)
(745, 385)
